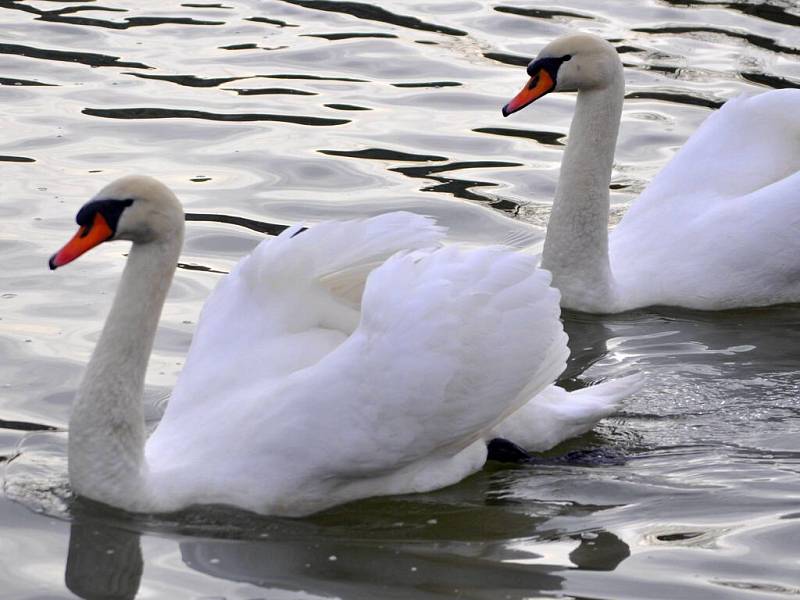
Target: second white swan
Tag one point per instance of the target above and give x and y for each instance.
(719, 226)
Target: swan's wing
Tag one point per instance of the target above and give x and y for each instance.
(449, 343)
(748, 144)
(286, 305)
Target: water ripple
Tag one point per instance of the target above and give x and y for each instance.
(25, 426)
(251, 224)
(189, 80)
(770, 11)
(170, 113)
(275, 91)
(16, 159)
(772, 81)
(7, 81)
(508, 59)
(85, 58)
(268, 21)
(370, 12)
(546, 138)
(679, 98)
(61, 15)
(429, 84)
(540, 13)
(384, 154)
(349, 36)
(756, 40)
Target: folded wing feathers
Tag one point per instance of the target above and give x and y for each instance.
(471, 336)
(449, 342)
(332, 246)
(749, 143)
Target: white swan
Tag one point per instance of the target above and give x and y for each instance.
(716, 229)
(326, 367)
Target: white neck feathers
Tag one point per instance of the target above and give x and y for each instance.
(107, 433)
(576, 246)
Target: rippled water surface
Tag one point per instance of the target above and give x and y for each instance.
(265, 113)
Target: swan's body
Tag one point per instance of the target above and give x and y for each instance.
(326, 367)
(716, 229)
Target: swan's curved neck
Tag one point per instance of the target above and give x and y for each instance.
(106, 428)
(576, 246)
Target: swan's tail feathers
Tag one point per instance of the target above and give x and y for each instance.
(450, 341)
(556, 415)
(615, 390)
(589, 405)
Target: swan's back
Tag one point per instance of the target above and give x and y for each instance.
(747, 145)
(329, 393)
(717, 226)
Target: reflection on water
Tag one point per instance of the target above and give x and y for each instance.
(103, 561)
(363, 571)
(263, 114)
(355, 552)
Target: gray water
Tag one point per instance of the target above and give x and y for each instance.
(265, 113)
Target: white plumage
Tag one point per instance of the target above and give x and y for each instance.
(717, 228)
(353, 359)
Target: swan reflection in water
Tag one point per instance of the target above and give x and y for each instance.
(105, 558)
(104, 561)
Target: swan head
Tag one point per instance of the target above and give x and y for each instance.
(569, 64)
(136, 208)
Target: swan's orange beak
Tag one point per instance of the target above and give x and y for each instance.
(88, 237)
(539, 85)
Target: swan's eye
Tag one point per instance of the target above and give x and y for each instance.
(549, 64)
(110, 209)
